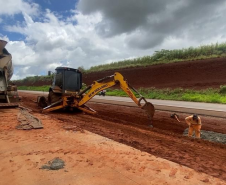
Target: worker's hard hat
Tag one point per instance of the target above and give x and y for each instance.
(195, 117)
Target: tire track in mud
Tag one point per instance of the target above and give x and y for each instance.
(196, 154)
(130, 126)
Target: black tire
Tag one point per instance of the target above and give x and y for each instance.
(53, 97)
(42, 102)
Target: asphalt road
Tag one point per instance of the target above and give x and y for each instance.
(208, 109)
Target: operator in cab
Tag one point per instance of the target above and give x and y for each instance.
(194, 123)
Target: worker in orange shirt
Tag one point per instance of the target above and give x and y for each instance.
(194, 123)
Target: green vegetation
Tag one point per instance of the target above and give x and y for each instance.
(33, 79)
(34, 88)
(168, 56)
(41, 88)
(207, 95)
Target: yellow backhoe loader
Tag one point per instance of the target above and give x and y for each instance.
(65, 91)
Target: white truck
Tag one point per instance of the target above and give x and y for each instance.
(8, 93)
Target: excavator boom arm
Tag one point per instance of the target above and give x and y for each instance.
(95, 88)
(100, 85)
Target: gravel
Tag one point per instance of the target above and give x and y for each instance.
(210, 136)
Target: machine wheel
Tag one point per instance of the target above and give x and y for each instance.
(53, 97)
(41, 101)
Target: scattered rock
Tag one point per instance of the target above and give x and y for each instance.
(54, 164)
(205, 180)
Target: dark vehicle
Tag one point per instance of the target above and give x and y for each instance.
(102, 93)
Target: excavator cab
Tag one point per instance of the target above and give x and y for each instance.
(67, 80)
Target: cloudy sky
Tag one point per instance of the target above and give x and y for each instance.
(44, 34)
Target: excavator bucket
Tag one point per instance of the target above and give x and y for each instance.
(149, 108)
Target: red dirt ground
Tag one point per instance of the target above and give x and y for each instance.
(89, 158)
(199, 74)
(130, 126)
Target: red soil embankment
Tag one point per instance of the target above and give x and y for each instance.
(199, 74)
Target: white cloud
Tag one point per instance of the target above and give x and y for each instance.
(11, 7)
(148, 23)
(55, 43)
(105, 33)
(4, 37)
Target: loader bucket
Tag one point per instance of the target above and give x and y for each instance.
(149, 108)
